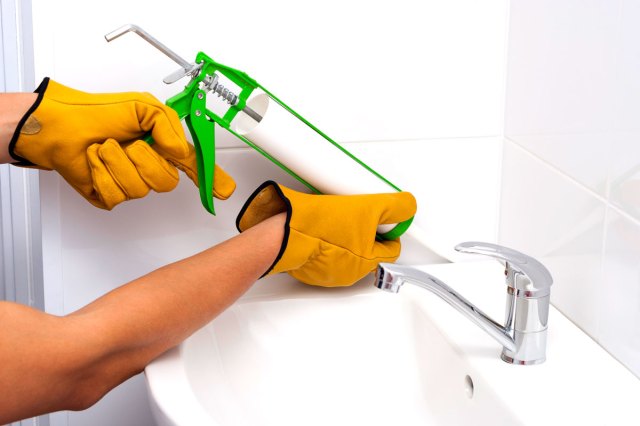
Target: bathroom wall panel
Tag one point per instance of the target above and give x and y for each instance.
(560, 86)
(360, 70)
(624, 166)
(546, 215)
(572, 104)
(619, 329)
(454, 181)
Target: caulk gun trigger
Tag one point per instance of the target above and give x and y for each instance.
(175, 76)
(182, 72)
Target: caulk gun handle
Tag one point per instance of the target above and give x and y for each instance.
(203, 135)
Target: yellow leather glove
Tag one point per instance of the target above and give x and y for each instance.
(92, 141)
(330, 240)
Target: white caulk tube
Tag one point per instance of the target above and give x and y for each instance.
(307, 153)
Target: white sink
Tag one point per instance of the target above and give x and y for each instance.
(290, 354)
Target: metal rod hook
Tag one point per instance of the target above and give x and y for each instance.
(151, 40)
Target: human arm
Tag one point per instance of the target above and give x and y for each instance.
(50, 363)
(13, 107)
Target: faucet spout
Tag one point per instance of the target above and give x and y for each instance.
(524, 334)
(390, 277)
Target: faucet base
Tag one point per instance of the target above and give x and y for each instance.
(529, 348)
(509, 360)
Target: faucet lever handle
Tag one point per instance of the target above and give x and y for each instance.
(536, 276)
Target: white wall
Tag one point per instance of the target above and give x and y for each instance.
(571, 178)
(413, 87)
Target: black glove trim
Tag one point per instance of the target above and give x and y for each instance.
(285, 238)
(16, 134)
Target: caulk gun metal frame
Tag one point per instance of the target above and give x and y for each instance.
(188, 68)
(190, 105)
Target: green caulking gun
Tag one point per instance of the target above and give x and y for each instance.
(266, 124)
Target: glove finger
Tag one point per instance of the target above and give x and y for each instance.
(386, 251)
(333, 266)
(106, 189)
(223, 183)
(122, 170)
(187, 164)
(154, 170)
(396, 207)
(164, 125)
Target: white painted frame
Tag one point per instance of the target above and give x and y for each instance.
(21, 278)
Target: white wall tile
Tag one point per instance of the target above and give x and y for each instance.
(359, 70)
(627, 65)
(573, 99)
(619, 329)
(561, 88)
(549, 217)
(454, 182)
(624, 172)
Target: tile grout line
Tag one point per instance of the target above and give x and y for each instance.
(603, 251)
(583, 187)
(498, 229)
(247, 148)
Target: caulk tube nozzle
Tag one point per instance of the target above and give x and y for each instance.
(310, 155)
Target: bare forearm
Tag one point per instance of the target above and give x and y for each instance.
(159, 310)
(50, 363)
(13, 106)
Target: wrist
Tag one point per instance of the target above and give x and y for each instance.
(13, 106)
(271, 231)
(271, 234)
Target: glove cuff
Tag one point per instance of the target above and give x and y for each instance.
(20, 161)
(266, 201)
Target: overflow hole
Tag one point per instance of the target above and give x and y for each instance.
(468, 386)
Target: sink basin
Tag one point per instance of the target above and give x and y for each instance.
(290, 354)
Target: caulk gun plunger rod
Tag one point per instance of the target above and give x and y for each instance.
(151, 40)
(170, 53)
(251, 113)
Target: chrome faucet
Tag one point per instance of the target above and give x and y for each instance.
(524, 334)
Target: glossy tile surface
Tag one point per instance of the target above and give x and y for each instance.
(561, 88)
(624, 171)
(572, 105)
(619, 329)
(454, 182)
(359, 70)
(547, 216)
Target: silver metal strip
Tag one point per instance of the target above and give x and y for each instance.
(20, 227)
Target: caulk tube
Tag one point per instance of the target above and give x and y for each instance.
(315, 159)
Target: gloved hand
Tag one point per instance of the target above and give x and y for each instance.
(92, 141)
(330, 240)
